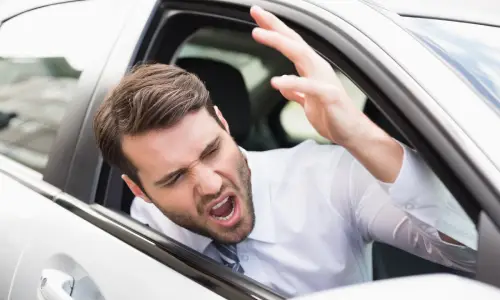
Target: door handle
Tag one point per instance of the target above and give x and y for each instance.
(55, 285)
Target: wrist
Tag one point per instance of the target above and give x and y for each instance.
(377, 151)
(363, 134)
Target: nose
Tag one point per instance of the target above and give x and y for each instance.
(209, 182)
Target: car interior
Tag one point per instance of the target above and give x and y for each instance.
(237, 71)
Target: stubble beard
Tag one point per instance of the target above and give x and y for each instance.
(235, 234)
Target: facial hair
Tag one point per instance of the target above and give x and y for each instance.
(196, 224)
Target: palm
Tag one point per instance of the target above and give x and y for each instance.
(317, 89)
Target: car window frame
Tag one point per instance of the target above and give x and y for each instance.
(239, 11)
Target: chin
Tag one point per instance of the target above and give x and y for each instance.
(237, 234)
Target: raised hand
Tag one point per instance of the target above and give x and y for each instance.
(318, 89)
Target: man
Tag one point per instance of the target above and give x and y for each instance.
(298, 220)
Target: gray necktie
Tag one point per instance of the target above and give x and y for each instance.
(229, 256)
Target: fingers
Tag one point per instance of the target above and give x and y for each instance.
(276, 34)
(293, 96)
(269, 21)
(290, 83)
(295, 51)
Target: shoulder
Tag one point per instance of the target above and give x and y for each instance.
(307, 153)
(288, 165)
(150, 215)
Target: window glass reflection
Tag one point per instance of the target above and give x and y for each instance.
(469, 49)
(43, 53)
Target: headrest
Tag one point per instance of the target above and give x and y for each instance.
(227, 90)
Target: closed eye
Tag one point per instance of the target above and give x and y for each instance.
(174, 179)
(211, 149)
(211, 152)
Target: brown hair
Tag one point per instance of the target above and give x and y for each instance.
(149, 97)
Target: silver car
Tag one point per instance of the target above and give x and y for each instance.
(428, 75)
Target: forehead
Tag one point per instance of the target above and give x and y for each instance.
(159, 151)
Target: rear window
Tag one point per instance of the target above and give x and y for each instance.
(251, 67)
(471, 50)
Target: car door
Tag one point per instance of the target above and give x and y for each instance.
(51, 58)
(55, 254)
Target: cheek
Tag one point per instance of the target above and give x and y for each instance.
(228, 163)
(177, 200)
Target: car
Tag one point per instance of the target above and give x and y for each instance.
(429, 76)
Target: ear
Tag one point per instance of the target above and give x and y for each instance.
(221, 118)
(135, 188)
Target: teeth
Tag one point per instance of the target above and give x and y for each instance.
(220, 203)
(227, 217)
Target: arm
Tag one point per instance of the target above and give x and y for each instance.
(326, 103)
(412, 213)
(383, 157)
(378, 152)
(330, 111)
(419, 192)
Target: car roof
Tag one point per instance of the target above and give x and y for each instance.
(11, 8)
(474, 11)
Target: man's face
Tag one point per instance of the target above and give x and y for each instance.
(196, 175)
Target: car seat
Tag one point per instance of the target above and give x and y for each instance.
(227, 90)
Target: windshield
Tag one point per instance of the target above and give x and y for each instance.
(471, 50)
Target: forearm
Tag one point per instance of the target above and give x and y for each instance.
(413, 214)
(378, 152)
(394, 227)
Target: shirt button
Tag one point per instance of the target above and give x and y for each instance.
(244, 257)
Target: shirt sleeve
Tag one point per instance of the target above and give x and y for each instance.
(420, 193)
(410, 213)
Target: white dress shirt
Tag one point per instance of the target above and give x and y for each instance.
(318, 210)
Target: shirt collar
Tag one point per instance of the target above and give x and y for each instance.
(263, 230)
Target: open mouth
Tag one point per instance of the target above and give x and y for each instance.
(225, 211)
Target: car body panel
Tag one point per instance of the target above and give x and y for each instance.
(14, 220)
(11, 8)
(479, 11)
(435, 286)
(50, 237)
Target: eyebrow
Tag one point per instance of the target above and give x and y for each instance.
(168, 177)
